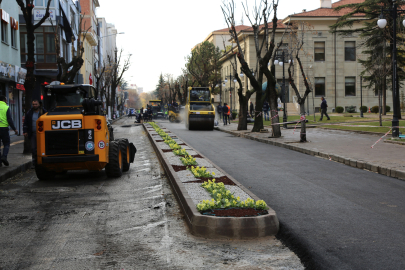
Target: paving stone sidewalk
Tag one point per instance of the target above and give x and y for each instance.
(346, 147)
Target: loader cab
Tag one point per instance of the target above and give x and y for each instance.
(67, 99)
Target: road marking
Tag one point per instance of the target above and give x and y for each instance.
(14, 143)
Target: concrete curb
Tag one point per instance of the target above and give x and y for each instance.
(15, 170)
(360, 164)
(216, 227)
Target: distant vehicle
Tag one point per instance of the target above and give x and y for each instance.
(199, 112)
(131, 112)
(157, 108)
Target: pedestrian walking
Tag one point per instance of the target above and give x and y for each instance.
(229, 113)
(141, 114)
(225, 113)
(324, 107)
(266, 108)
(219, 110)
(30, 127)
(252, 109)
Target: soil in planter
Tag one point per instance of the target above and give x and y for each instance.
(194, 156)
(223, 179)
(178, 168)
(159, 140)
(235, 212)
(167, 150)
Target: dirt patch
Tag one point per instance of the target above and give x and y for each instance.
(182, 144)
(223, 179)
(159, 140)
(235, 212)
(178, 168)
(167, 150)
(194, 156)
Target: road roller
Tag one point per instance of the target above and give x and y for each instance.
(199, 111)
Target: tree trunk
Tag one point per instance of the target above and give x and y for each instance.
(303, 133)
(276, 128)
(243, 109)
(258, 125)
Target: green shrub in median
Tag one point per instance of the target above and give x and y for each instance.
(223, 198)
(201, 172)
(188, 160)
(181, 152)
(364, 109)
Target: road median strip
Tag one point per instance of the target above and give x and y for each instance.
(218, 200)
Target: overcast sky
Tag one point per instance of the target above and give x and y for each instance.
(160, 33)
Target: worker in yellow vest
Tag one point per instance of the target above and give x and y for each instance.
(5, 121)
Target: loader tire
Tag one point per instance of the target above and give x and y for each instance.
(114, 166)
(125, 152)
(43, 174)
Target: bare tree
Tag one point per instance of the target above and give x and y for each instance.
(297, 34)
(118, 67)
(264, 48)
(68, 71)
(30, 79)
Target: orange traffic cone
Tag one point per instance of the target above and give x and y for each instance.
(369, 109)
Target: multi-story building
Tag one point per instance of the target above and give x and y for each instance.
(330, 64)
(46, 69)
(90, 40)
(12, 76)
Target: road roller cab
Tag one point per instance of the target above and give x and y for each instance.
(157, 108)
(74, 135)
(199, 112)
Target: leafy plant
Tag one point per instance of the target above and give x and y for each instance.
(174, 146)
(180, 152)
(351, 109)
(387, 108)
(188, 160)
(364, 109)
(375, 109)
(223, 198)
(201, 172)
(339, 109)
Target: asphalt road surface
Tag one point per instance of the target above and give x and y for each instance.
(84, 220)
(332, 215)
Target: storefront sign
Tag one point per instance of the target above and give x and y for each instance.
(7, 71)
(40, 13)
(21, 73)
(5, 16)
(13, 23)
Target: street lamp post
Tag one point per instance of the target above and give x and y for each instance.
(382, 22)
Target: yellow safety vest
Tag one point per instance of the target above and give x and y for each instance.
(3, 114)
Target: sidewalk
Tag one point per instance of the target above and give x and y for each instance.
(346, 147)
(19, 162)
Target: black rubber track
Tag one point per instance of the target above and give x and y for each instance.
(124, 146)
(113, 168)
(43, 174)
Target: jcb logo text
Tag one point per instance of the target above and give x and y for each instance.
(66, 124)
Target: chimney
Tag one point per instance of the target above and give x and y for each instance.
(304, 10)
(326, 3)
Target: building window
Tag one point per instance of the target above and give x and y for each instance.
(45, 51)
(350, 51)
(320, 87)
(350, 86)
(13, 38)
(319, 51)
(4, 32)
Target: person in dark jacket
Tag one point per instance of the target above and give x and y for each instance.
(5, 122)
(219, 110)
(266, 108)
(324, 107)
(225, 112)
(252, 109)
(30, 127)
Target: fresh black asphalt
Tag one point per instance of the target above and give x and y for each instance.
(332, 215)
